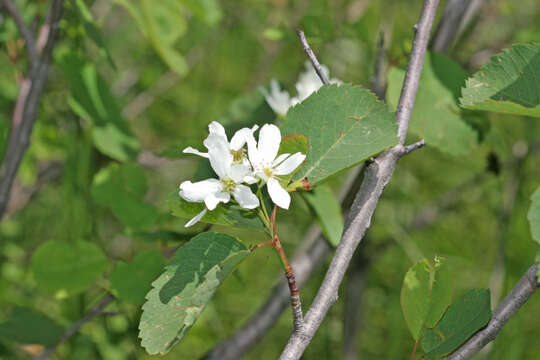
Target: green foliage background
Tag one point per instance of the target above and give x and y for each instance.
(125, 96)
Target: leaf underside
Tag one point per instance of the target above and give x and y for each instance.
(181, 293)
(509, 83)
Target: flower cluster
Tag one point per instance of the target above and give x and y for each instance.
(308, 82)
(237, 168)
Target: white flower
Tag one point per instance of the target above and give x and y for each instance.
(267, 167)
(235, 147)
(278, 100)
(309, 82)
(215, 191)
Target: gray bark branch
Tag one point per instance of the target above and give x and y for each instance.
(523, 290)
(457, 14)
(377, 176)
(26, 109)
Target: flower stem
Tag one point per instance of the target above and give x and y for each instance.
(298, 317)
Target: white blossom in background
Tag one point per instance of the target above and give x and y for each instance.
(235, 147)
(279, 100)
(308, 82)
(231, 176)
(267, 166)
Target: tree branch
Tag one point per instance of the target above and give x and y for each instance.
(95, 311)
(310, 256)
(456, 16)
(27, 35)
(312, 57)
(26, 108)
(377, 176)
(523, 290)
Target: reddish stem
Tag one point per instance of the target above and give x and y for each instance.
(413, 351)
(256, 246)
(295, 297)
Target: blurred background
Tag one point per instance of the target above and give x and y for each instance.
(134, 82)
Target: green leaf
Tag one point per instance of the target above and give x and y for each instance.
(165, 23)
(436, 116)
(425, 294)
(508, 84)
(92, 100)
(534, 215)
(328, 210)
(209, 11)
(131, 282)
(70, 268)
(441, 291)
(464, 317)
(414, 295)
(181, 293)
(26, 326)
(92, 30)
(344, 125)
(121, 188)
(224, 214)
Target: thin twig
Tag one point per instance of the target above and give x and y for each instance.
(523, 290)
(312, 57)
(378, 81)
(409, 148)
(25, 32)
(28, 101)
(95, 311)
(376, 178)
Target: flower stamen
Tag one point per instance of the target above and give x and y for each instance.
(228, 185)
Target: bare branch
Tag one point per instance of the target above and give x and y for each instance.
(312, 57)
(378, 81)
(410, 148)
(27, 102)
(95, 311)
(376, 178)
(523, 290)
(456, 16)
(25, 33)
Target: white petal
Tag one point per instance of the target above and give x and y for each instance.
(190, 150)
(278, 100)
(279, 159)
(216, 128)
(240, 138)
(253, 153)
(212, 200)
(269, 140)
(278, 194)
(198, 191)
(196, 219)
(290, 164)
(237, 172)
(219, 154)
(250, 179)
(243, 195)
